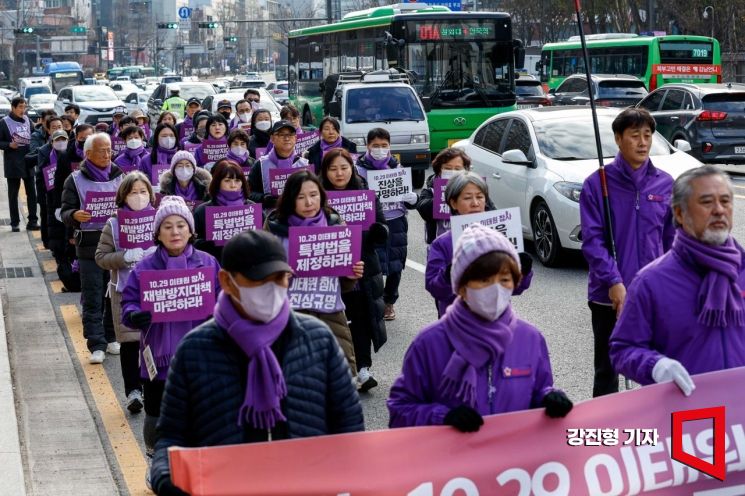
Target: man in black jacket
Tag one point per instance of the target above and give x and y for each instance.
(256, 372)
(15, 138)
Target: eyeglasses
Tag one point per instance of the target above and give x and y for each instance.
(254, 100)
(285, 136)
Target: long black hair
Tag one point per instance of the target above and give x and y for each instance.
(253, 121)
(286, 201)
(156, 135)
(355, 182)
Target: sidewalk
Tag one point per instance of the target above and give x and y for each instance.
(53, 446)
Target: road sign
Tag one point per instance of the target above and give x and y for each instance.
(184, 12)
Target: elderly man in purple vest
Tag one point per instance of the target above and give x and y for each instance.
(684, 312)
(88, 200)
(15, 138)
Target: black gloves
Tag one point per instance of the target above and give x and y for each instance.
(378, 233)
(168, 489)
(557, 404)
(141, 319)
(464, 418)
(526, 263)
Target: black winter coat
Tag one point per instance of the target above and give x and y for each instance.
(200, 228)
(14, 160)
(258, 139)
(57, 231)
(207, 381)
(315, 156)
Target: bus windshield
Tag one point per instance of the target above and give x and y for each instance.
(62, 79)
(383, 105)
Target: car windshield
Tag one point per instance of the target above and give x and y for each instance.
(622, 89)
(37, 90)
(530, 89)
(384, 104)
(4, 101)
(41, 99)
(574, 139)
(94, 94)
(200, 91)
(725, 102)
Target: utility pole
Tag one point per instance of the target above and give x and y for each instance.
(38, 50)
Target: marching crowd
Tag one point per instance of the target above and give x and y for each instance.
(271, 363)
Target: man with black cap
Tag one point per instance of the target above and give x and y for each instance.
(257, 371)
(281, 156)
(186, 127)
(225, 108)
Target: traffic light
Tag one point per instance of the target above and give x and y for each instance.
(78, 29)
(231, 39)
(24, 30)
(167, 25)
(208, 25)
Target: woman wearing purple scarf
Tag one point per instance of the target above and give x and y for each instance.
(330, 138)
(228, 188)
(303, 204)
(164, 148)
(173, 230)
(135, 194)
(186, 180)
(479, 358)
(258, 371)
(217, 131)
(238, 144)
(129, 159)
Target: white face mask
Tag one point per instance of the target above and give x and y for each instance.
(239, 150)
(263, 125)
(448, 174)
(167, 142)
(245, 116)
(379, 153)
(490, 302)
(134, 143)
(138, 202)
(184, 173)
(255, 106)
(60, 145)
(262, 303)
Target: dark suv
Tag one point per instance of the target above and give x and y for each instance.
(711, 117)
(530, 93)
(611, 90)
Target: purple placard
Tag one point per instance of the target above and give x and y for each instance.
(357, 208)
(440, 208)
(157, 171)
(101, 205)
(214, 150)
(48, 173)
(306, 140)
(175, 295)
(278, 178)
(324, 251)
(117, 146)
(135, 228)
(244, 126)
(222, 223)
(260, 152)
(190, 147)
(246, 172)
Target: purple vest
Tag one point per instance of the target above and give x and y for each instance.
(20, 132)
(84, 185)
(267, 164)
(123, 274)
(317, 294)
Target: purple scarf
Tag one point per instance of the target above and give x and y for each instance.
(477, 343)
(237, 158)
(265, 384)
(378, 164)
(328, 146)
(97, 174)
(281, 163)
(190, 193)
(164, 155)
(230, 198)
(719, 297)
(318, 220)
(637, 176)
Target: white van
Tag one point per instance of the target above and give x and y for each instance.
(34, 86)
(384, 99)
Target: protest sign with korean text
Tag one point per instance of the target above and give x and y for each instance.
(190, 147)
(520, 453)
(440, 208)
(176, 295)
(356, 207)
(48, 173)
(118, 145)
(155, 174)
(390, 184)
(306, 140)
(222, 223)
(506, 221)
(317, 294)
(278, 179)
(260, 152)
(324, 251)
(214, 150)
(100, 204)
(135, 228)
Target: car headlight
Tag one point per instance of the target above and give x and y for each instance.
(418, 138)
(358, 141)
(569, 190)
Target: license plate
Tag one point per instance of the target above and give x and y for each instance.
(397, 156)
(105, 119)
(526, 105)
(740, 149)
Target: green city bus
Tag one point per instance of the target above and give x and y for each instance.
(463, 61)
(654, 59)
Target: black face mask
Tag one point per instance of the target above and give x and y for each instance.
(226, 115)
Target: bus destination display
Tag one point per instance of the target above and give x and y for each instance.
(449, 31)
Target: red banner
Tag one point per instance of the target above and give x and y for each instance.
(615, 445)
(687, 69)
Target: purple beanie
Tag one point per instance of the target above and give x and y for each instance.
(183, 155)
(475, 241)
(172, 205)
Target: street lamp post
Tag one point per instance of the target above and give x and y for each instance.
(709, 11)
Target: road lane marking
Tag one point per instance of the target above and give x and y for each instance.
(739, 196)
(415, 265)
(49, 266)
(128, 454)
(56, 286)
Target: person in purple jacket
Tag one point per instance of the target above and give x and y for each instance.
(173, 230)
(643, 230)
(685, 312)
(164, 148)
(466, 193)
(129, 159)
(479, 358)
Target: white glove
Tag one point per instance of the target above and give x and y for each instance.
(58, 214)
(667, 369)
(133, 255)
(149, 251)
(410, 198)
